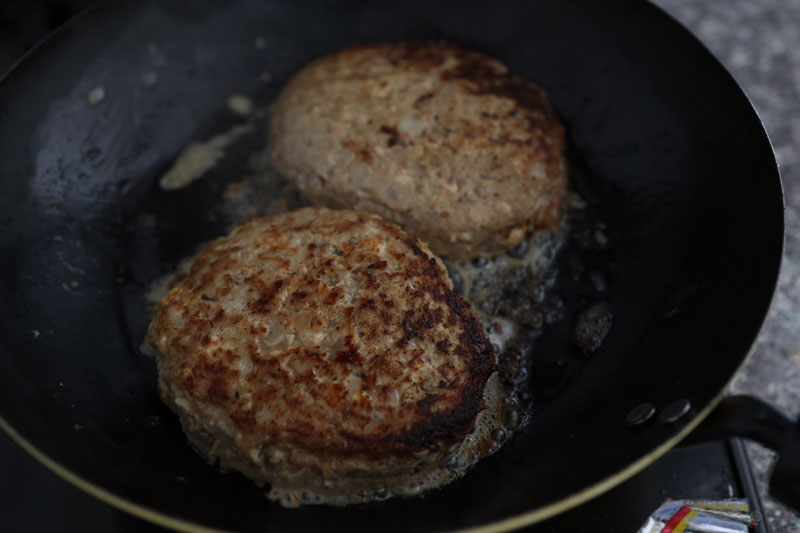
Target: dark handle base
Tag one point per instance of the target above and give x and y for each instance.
(751, 418)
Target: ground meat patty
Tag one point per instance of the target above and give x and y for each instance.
(321, 350)
(442, 140)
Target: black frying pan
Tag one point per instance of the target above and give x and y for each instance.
(662, 139)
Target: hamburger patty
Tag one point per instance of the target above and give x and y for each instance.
(443, 140)
(322, 351)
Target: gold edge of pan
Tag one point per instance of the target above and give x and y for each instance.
(574, 500)
(128, 506)
(506, 524)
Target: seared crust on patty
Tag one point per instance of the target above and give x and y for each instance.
(443, 140)
(321, 348)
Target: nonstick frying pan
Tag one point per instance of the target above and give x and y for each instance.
(662, 141)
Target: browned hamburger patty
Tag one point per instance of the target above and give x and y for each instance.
(321, 350)
(443, 140)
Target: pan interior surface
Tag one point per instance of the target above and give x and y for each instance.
(663, 141)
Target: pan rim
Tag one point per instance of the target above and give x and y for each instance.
(506, 524)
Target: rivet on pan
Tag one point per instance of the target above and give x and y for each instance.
(674, 411)
(640, 414)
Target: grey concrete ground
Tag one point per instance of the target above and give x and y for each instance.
(759, 42)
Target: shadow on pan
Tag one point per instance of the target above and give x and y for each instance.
(674, 154)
